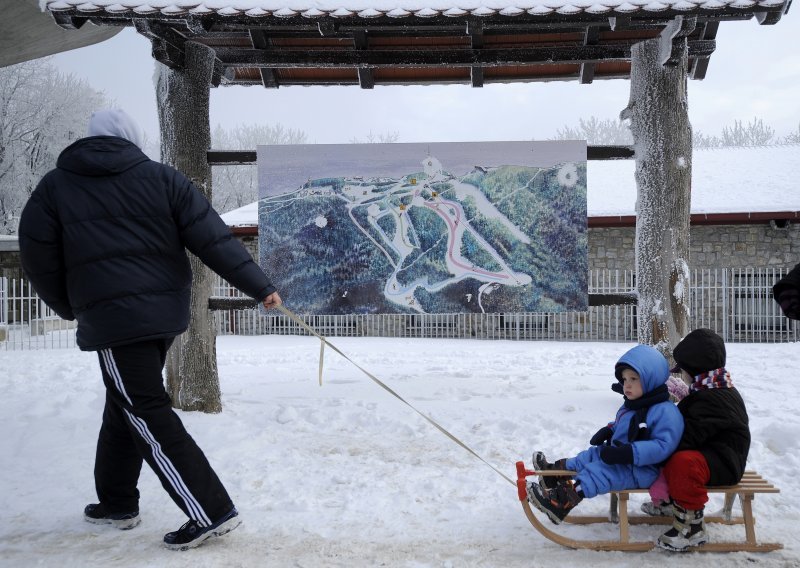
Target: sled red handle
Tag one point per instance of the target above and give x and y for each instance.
(522, 473)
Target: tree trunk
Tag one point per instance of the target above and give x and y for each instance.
(183, 113)
(659, 119)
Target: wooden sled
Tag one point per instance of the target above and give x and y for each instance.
(746, 489)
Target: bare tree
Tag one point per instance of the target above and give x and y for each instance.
(388, 137)
(700, 140)
(41, 112)
(756, 133)
(597, 131)
(235, 186)
(793, 137)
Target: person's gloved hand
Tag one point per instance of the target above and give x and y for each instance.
(602, 436)
(617, 455)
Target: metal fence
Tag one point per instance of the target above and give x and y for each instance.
(27, 323)
(736, 303)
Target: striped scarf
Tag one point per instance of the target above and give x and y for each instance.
(714, 379)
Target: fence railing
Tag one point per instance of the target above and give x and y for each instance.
(736, 303)
(27, 323)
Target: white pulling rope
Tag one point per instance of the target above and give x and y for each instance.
(380, 383)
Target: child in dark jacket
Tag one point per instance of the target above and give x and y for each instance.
(626, 453)
(716, 437)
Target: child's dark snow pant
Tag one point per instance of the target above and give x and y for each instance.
(139, 423)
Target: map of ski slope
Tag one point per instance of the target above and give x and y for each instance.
(496, 239)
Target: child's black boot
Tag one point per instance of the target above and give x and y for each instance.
(688, 530)
(540, 463)
(555, 503)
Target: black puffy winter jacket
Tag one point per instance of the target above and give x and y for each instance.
(103, 241)
(716, 424)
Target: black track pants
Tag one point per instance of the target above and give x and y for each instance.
(139, 423)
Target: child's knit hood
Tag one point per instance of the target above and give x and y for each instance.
(651, 366)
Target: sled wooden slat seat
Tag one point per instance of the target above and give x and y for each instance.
(750, 484)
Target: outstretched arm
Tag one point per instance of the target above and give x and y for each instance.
(205, 234)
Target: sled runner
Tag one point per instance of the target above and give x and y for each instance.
(746, 489)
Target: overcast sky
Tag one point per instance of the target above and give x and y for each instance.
(754, 72)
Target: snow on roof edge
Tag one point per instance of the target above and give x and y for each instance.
(393, 8)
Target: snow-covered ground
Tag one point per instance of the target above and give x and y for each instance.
(346, 475)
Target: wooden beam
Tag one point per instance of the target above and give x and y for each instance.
(321, 58)
(672, 39)
(700, 65)
(244, 157)
(198, 25)
(621, 22)
(168, 44)
(232, 304)
(230, 157)
(594, 300)
(69, 22)
(591, 37)
(260, 41)
(280, 58)
(769, 18)
(217, 73)
(476, 76)
(613, 299)
(366, 79)
(327, 28)
(475, 33)
(496, 23)
(610, 153)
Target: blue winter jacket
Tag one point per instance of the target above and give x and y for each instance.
(664, 420)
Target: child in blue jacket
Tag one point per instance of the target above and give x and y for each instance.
(625, 454)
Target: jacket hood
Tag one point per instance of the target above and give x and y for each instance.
(115, 122)
(100, 156)
(651, 366)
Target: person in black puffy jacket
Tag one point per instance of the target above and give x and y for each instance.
(103, 240)
(716, 437)
(786, 292)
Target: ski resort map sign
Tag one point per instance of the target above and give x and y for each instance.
(425, 228)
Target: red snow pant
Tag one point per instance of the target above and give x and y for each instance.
(687, 474)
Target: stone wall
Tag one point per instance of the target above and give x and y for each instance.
(251, 244)
(10, 266)
(712, 246)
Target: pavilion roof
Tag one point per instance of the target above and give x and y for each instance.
(398, 8)
(276, 43)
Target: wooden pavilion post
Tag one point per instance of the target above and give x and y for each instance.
(183, 112)
(659, 121)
